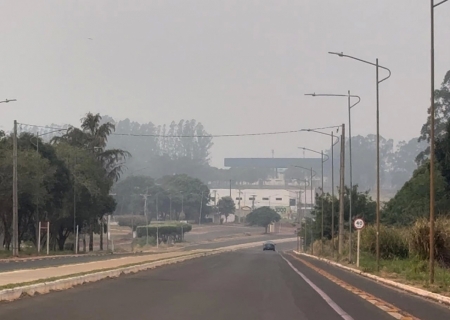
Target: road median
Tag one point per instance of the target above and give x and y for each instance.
(16, 284)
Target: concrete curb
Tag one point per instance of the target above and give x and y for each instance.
(67, 283)
(410, 289)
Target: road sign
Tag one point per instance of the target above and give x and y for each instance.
(359, 224)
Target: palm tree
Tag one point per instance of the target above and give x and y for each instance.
(93, 136)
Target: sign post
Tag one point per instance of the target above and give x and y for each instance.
(359, 225)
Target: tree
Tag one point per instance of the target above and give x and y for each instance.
(187, 194)
(412, 201)
(263, 217)
(362, 207)
(226, 206)
(129, 194)
(363, 160)
(403, 161)
(93, 138)
(442, 116)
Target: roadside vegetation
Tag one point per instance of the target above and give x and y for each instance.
(404, 230)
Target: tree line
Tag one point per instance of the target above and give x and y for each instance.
(174, 197)
(65, 181)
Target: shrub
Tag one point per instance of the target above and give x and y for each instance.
(131, 221)
(420, 240)
(393, 242)
(175, 230)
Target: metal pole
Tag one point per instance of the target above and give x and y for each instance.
(145, 213)
(304, 246)
(37, 198)
(39, 237)
(76, 240)
(107, 233)
(74, 201)
(341, 195)
(201, 207)
(48, 237)
(332, 192)
(312, 204)
(304, 210)
(321, 239)
(357, 249)
(378, 169)
(182, 203)
(15, 226)
(432, 110)
(170, 206)
(351, 179)
(230, 188)
(157, 223)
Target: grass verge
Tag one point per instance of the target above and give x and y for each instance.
(409, 271)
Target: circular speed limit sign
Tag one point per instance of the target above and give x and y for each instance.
(359, 224)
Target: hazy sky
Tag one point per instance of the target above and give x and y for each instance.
(236, 66)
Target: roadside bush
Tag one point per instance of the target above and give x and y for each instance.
(420, 240)
(131, 221)
(393, 242)
(176, 231)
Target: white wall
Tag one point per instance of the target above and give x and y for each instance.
(263, 197)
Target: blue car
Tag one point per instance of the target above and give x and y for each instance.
(268, 246)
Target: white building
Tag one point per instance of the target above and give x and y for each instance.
(284, 201)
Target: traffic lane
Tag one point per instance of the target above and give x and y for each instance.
(213, 232)
(352, 304)
(216, 245)
(60, 261)
(247, 284)
(422, 308)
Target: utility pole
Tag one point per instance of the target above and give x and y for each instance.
(157, 222)
(230, 188)
(145, 212)
(321, 239)
(341, 191)
(75, 205)
(15, 235)
(201, 207)
(312, 206)
(332, 192)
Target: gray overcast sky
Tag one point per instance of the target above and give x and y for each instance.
(236, 66)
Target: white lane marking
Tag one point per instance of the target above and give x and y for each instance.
(324, 296)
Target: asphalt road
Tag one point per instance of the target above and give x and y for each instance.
(65, 260)
(247, 284)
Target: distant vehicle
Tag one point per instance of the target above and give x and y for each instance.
(268, 246)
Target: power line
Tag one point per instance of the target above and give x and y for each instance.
(200, 136)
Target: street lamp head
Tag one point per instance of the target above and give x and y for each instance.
(8, 100)
(340, 54)
(311, 94)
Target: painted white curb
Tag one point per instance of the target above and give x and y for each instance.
(67, 283)
(417, 291)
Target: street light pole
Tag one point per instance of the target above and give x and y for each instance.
(322, 194)
(332, 174)
(432, 141)
(378, 81)
(315, 173)
(350, 106)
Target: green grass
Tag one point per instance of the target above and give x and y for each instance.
(411, 271)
